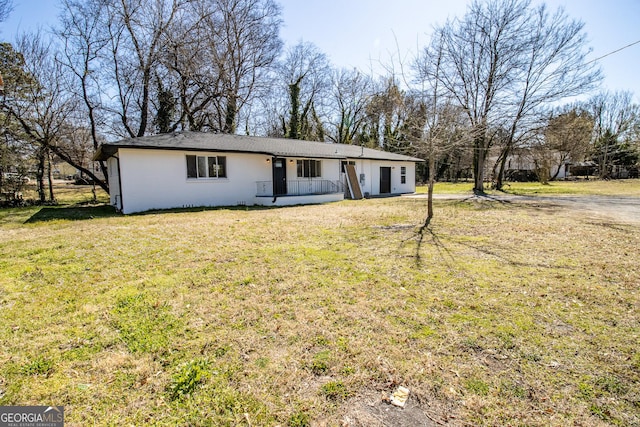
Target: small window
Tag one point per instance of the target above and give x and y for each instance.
(309, 168)
(192, 170)
(222, 166)
(403, 175)
(345, 163)
(206, 167)
(202, 167)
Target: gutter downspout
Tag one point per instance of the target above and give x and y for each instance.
(119, 184)
(273, 177)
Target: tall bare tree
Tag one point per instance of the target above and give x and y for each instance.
(616, 124)
(567, 136)
(145, 66)
(553, 67)
(306, 74)
(394, 117)
(6, 6)
(502, 62)
(137, 33)
(244, 44)
(351, 93)
(45, 106)
(82, 44)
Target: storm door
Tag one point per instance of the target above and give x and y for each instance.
(279, 176)
(385, 180)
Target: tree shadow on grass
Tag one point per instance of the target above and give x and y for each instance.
(79, 212)
(72, 213)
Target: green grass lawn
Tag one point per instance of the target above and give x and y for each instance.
(622, 187)
(504, 314)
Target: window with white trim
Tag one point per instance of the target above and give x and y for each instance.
(206, 167)
(403, 174)
(309, 168)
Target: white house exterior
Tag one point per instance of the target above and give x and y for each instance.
(190, 169)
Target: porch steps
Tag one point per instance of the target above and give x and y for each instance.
(354, 185)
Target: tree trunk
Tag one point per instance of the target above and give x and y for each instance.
(479, 159)
(432, 175)
(40, 174)
(294, 120)
(52, 197)
(500, 175)
(230, 115)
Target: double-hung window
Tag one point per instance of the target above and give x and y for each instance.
(403, 175)
(309, 168)
(206, 167)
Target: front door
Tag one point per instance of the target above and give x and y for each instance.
(279, 176)
(385, 180)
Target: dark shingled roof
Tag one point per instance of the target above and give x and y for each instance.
(279, 147)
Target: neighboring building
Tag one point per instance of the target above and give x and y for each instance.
(521, 166)
(189, 169)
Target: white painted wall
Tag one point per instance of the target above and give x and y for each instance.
(114, 183)
(157, 179)
(371, 171)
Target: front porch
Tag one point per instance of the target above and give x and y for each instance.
(300, 192)
(301, 187)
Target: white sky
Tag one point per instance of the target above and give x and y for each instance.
(363, 33)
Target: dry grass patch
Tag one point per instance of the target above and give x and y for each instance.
(618, 187)
(504, 314)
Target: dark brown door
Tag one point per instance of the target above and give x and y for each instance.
(385, 180)
(279, 177)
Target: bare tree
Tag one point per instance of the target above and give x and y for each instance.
(137, 34)
(394, 117)
(244, 45)
(44, 107)
(553, 68)
(567, 135)
(306, 73)
(6, 6)
(616, 123)
(189, 74)
(502, 62)
(442, 127)
(351, 94)
(83, 42)
(144, 66)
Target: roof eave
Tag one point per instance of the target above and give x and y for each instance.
(108, 150)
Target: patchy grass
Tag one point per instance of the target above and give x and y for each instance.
(65, 192)
(447, 188)
(74, 202)
(505, 314)
(621, 187)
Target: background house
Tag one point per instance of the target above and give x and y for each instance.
(204, 169)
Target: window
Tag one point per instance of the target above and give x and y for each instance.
(345, 163)
(309, 168)
(206, 167)
(403, 175)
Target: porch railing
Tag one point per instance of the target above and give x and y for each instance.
(303, 187)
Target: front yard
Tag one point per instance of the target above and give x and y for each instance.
(505, 314)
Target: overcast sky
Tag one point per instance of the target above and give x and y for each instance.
(363, 33)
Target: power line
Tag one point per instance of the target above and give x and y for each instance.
(611, 53)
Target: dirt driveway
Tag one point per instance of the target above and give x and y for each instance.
(616, 208)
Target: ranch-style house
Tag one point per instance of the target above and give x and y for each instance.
(189, 169)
